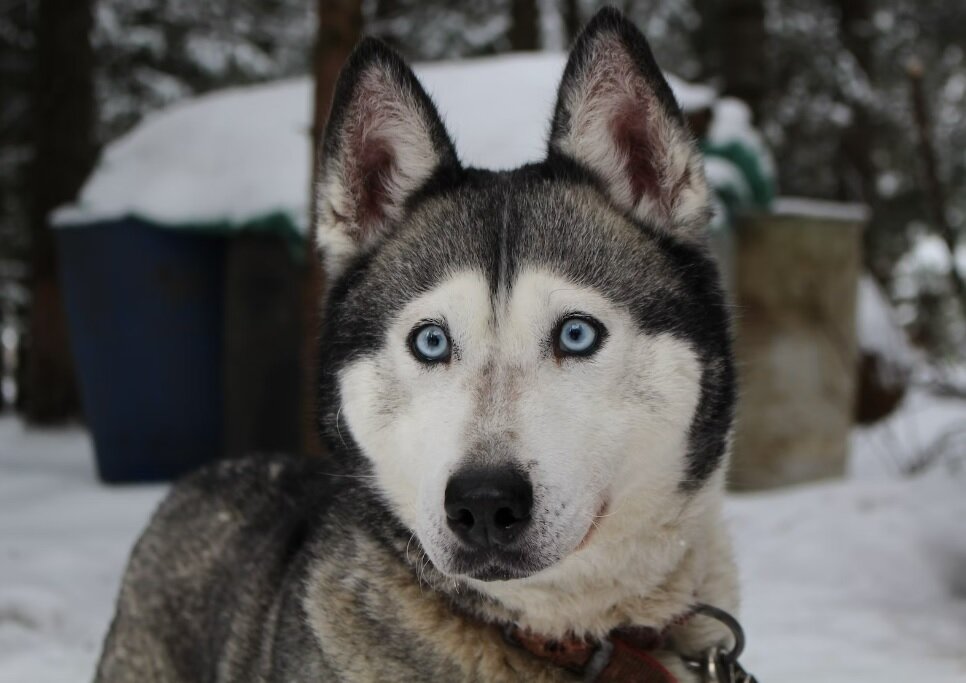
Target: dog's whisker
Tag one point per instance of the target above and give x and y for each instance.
(408, 544)
(338, 429)
(348, 476)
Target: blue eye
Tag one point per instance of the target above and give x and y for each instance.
(578, 337)
(430, 344)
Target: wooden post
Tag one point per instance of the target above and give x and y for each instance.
(796, 278)
(340, 26)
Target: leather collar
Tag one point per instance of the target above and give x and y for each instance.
(625, 655)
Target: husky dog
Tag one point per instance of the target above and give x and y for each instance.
(526, 391)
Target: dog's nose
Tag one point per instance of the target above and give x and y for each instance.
(488, 507)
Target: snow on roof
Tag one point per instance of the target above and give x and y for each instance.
(243, 153)
(820, 208)
(692, 96)
(731, 122)
(497, 109)
(231, 155)
(723, 174)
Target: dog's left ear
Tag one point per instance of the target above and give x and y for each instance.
(616, 115)
(384, 140)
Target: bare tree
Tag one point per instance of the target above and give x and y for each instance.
(64, 154)
(934, 189)
(384, 12)
(856, 168)
(572, 20)
(524, 25)
(340, 26)
(743, 51)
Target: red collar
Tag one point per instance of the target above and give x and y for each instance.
(626, 655)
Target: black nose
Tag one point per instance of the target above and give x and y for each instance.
(488, 507)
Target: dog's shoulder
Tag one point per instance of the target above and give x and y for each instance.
(221, 512)
(222, 549)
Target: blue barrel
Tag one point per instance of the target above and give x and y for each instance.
(145, 311)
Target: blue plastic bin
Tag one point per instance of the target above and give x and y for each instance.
(145, 311)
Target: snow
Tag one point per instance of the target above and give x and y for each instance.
(926, 429)
(820, 208)
(693, 96)
(243, 153)
(63, 543)
(731, 122)
(725, 176)
(878, 331)
(856, 580)
(930, 254)
(497, 109)
(235, 155)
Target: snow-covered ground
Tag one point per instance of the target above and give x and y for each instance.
(858, 580)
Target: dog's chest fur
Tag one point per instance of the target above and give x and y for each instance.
(254, 591)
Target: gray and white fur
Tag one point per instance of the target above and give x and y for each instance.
(357, 567)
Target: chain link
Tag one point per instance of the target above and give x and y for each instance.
(720, 664)
(718, 667)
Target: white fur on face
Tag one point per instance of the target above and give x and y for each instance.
(408, 418)
(603, 433)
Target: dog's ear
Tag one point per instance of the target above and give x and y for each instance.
(616, 115)
(383, 141)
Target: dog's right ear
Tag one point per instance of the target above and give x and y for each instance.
(383, 141)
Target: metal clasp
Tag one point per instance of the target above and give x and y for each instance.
(599, 661)
(719, 664)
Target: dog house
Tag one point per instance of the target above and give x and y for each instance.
(180, 265)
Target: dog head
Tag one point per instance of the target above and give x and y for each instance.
(521, 357)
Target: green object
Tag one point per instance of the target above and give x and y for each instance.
(758, 189)
(276, 222)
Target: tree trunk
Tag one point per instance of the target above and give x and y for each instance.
(64, 154)
(384, 12)
(572, 21)
(524, 26)
(857, 170)
(261, 377)
(706, 39)
(340, 26)
(743, 52)
(933, 184)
